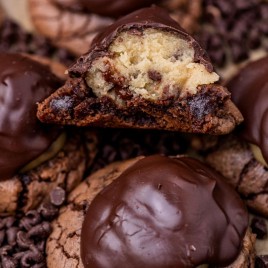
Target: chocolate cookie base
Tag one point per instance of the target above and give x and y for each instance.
(208, 111)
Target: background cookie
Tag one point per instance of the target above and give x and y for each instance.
(63, 246)
(70, 26)
(26, 179)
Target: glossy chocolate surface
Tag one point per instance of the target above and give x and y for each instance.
(249, 90)
(136, 22)
(115, 8)
(164, 212)
(22, 137)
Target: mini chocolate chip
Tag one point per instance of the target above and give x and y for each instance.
(32, 218)
(41, 230)
(8, 262)
(31, 256)
(57, 196)
(9, 221)
(48, 211)
(154, 75)
(11, 234)
(261, 261)
(258, 227)
(23, 241)
(2, 237)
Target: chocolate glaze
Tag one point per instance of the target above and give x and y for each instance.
(164, 212)
(115, 8)
(249, 90)
(22, 137)
(136, 22)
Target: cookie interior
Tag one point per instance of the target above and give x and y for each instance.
(152, 64)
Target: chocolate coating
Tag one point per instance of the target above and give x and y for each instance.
(22, 137)
(115, 8)
(164, 212)
(249, 90)
(152, 17)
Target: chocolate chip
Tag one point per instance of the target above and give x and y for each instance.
(48, 211)
(57, 196)
(32, 218)
(41, 230)
(11, 234)
(259, 227)
(261, 261)
(154, 75)
(8, 262)
(23, 241)
(31, 256)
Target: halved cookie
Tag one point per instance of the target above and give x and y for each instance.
(144, 71)
(133, 209)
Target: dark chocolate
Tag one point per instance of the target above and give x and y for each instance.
(22, 137)
(258, 227)
(164, 212)
(261, 261)
(249, 90)
(152, 17)
(115, 8)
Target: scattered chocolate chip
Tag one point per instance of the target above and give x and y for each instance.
(228, 24)
(57, 196)
(259, 228)
(41, 230)
(261, 261)
(32, 218)
(48, 211)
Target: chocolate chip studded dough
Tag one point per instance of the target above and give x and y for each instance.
(69, 25)
(144, 71)
(63, 245)
(62, 164)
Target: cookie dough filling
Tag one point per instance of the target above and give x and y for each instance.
(151, 63)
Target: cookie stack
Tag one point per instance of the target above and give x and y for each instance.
(167, 156)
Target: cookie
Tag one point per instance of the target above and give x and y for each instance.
(35, 158)
(242, 158)
(73, 24)
(145, 213)
(144, 71)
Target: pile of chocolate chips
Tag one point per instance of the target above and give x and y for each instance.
(116, 145)
(15, 39)
(23, 238)
(233, 28)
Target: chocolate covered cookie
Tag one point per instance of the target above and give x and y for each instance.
(35, 158)
(243, 157)
(144, 209)
(144, 71)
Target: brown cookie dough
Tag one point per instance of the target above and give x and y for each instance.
(63, 245)
(234, 159)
